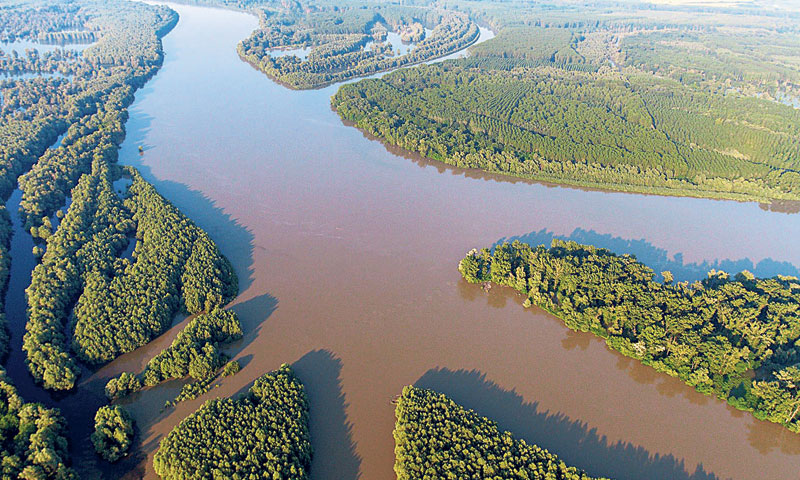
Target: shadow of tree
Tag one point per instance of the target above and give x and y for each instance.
(658, 258)
(331, 433)
(572, 440)
(252, 315)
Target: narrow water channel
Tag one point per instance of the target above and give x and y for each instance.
(347, 254)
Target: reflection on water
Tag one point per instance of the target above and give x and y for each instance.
(357, 247)
(347, 254)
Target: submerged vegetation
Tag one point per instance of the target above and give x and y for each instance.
(122, 385)
(262, 434)
(662, 99)
(735, 337)
(195, 353)
(118, 304)
(437, 438)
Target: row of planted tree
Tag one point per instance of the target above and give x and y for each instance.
(629, 133)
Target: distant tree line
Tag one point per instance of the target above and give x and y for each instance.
(338, 38)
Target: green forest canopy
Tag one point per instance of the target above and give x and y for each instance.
(261, 434)
(349, 40)
(113, 432)
(33, 442)
(91, 95)
(121, 304)
(195, 352)
(633, 132)
(435, 438)
(175, 266)
(664, 99)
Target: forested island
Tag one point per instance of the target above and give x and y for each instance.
(113, 432)
(349, 40)
(262, 434)
(437, 438)
(677, 106)
(194, 353)
(735, 337)
(119, 304)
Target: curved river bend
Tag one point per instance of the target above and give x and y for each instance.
(347, 257)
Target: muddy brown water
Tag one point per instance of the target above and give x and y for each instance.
(347, 254)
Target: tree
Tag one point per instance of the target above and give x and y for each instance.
(113, 432)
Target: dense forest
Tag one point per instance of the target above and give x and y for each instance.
(348, 41)
(636, 133)
(89, 92)
(108, 304)
(736, 337)
(435, 438)
(682, 105)
(62, 117)
(119, 304)
(665, 99)
(33, 444)
(195, 351)
(261, 434)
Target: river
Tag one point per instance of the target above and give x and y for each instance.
(347, 253)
